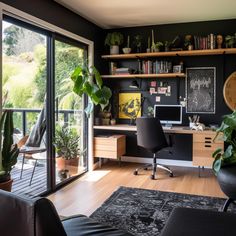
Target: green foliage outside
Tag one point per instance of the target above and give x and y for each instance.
(25, 75)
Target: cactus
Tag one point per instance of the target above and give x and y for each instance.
(8, 151)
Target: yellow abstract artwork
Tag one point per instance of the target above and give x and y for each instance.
(129, 105)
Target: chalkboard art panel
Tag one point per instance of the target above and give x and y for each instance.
(200, 89)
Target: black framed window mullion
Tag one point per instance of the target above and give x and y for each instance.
(50, 111)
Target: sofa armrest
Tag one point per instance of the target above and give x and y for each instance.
(196, 222)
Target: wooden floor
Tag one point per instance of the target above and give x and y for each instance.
(86, 194)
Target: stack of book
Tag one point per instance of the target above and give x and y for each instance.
(202, 43)
(122, 71)
(156, 67)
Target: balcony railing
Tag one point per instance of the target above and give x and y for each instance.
(25, 126)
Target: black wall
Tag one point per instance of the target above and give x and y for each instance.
(225, 64)
(54, 13)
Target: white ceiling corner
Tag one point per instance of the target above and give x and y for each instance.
(123, 13)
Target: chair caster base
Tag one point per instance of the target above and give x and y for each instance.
(135, 172)
(152, 177)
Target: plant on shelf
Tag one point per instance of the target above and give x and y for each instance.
(138, 42)
(67, 146)
(105, 115)
(230, 41)
(114, 40)
(157, 46)
(8, 151)
(127, 49)
(227, 157)
(88, 81)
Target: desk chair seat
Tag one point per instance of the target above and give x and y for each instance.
(150, 136)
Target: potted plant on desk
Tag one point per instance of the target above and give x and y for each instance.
(8, 151)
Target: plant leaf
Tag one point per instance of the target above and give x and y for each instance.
(216, 152)
(228, 152)
(78, 85)
(98, 77)
(76, 73)
(217, 165)
(88, 110)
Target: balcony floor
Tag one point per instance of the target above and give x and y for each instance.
(21, 186)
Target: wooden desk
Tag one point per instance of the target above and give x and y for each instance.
(173, 130)
(203, 144)
(112, 146)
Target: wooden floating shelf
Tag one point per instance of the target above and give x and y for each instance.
(168, 75)
(172, 53)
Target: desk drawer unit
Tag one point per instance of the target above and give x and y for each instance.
(203, 147)
(113, 146)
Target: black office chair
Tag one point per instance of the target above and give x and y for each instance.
(150, 136)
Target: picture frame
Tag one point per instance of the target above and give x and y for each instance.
(200, 89)
(129, 105)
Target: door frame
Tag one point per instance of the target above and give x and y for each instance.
(25, 17)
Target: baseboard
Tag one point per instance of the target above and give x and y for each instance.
(161, 161)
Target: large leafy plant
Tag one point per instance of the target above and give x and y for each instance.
(8, 151)
(88, 81)
(227, 157)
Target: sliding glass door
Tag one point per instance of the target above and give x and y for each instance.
(24, 92)
(70, 122)
(36, 85)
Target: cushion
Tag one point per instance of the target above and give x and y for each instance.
(195, 222)
(80, 225)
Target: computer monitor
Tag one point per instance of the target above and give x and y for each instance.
(168, 114)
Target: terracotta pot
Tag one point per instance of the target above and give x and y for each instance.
(7, 185)
(70, 165)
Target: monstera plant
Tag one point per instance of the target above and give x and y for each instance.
(8, 151)
(88, 81)
(227, 156)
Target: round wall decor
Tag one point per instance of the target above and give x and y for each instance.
(229, 91)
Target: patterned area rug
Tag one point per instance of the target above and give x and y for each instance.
(144, 212)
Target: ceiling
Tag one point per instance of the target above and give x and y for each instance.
(128, 13)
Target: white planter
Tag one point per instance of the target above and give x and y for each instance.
(114, 49)
(126, 50)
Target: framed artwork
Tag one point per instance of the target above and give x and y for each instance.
(129, 105)
(200, 90)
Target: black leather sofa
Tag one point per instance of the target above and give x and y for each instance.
(38, 217)
(195, 222)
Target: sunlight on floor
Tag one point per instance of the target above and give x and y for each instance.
(95, 175)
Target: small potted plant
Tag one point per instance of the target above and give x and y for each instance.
(114, 40)
(67, 145)
(105, 115)
(138, 43)
(157, 46)
(127, 49)
(230, 41)
(8, 151)
(228, 156)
